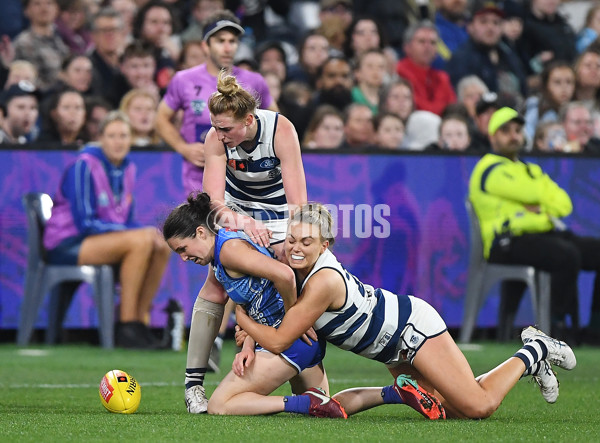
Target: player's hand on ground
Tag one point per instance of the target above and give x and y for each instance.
(194, 153)
(240, 336)
(242, 360)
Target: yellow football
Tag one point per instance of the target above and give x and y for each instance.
(120, 392)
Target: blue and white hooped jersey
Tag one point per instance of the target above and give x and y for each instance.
(370, 322)
(257, 295)
(253, 179)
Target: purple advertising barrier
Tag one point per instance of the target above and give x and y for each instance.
(401, 224)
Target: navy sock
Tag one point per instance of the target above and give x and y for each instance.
(299, 404)
(531, 353)
(194, 377)
(390, 396)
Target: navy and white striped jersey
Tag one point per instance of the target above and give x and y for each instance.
(253, 181)
(370, 322)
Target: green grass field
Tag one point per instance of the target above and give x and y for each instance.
(51, 394)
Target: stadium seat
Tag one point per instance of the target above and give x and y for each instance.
(60, 280)
(483, 276)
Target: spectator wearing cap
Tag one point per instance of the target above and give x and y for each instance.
(431, 87)
(451, 23)
(546, 36)
(190, 90)
(40, 44)
(485, 55)
(519, 208)
(20, 110)
(486, 106)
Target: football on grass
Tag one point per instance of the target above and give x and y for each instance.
(120, 392)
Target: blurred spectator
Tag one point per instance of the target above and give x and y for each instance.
(93, 223)
(432, 89)
(140, 107)
(579, 127)
(486, 106)
(334, 83)
(137, 69)
(549, 137)
(201, 10)
(591, 30)
(422, 129)
(12, 20)
(451, 24)
(558, 87)
(394, 16)
(369, 75)
(295, 104)
(154, 24)
(249, 64)
(40, 43)
(546, 35)
(274, 84)
(63, 119)
(359, 131)
(19, 109)
(397, 97)
(325, 130)
(71, 25)
(108, 35)
(484, 55)
(96, 109)
(336, 10)
(21, 70)
(364, 33)
(192, 54)
(313, 50)
(76, 73)
(389, 131)
(454, 133)
(469, 90)
(7, 56)
(587, 89)
(271, 57)
(127, 10)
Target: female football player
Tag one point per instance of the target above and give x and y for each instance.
(403, 332)
(266, 288)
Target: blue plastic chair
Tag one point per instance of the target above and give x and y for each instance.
(42, 278)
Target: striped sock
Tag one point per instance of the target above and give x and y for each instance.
(532, 352)
(532, 370)
(390, 396)
(299, 404)
(194, 377)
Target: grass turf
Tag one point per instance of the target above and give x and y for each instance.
(51, 394)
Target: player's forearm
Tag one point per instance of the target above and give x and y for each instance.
(169, 133)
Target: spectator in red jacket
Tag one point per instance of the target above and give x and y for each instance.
(431, 87)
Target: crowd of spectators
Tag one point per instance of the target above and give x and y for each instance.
(350, 74)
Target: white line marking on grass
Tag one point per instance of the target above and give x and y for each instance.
(33, 352)
(159, 384)
(470, 347)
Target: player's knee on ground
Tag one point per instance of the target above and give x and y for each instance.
(478, 409)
